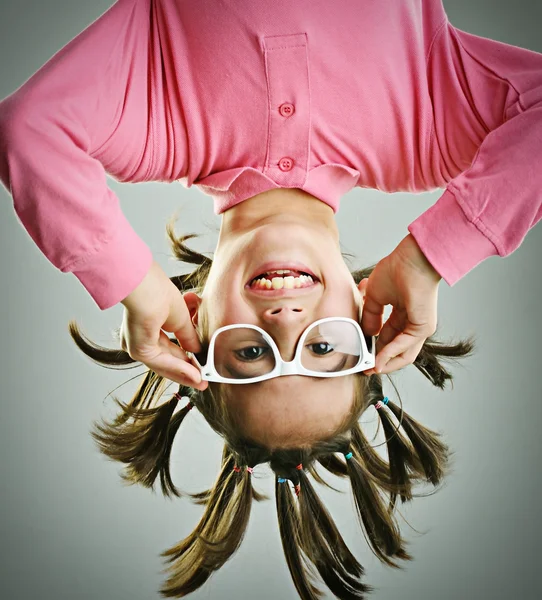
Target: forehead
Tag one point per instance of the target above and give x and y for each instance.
(291, 410)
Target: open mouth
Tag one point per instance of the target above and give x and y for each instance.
(278, 279)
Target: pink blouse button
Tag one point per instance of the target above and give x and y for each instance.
(286, 109)
(286, 164)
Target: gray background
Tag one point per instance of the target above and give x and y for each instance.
(70, 529)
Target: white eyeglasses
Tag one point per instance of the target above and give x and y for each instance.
(330, 347)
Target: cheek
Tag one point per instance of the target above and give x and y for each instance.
(343, 300)
(224, 305)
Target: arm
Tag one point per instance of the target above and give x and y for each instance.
(84, 113)
(487, 106)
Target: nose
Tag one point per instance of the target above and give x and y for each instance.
(285, 324)
(284, 315)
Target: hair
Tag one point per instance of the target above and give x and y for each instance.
(142, 434)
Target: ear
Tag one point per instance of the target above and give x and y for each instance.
(193, 302)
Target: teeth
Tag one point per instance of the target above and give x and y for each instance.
(278, 283)
(289, 283)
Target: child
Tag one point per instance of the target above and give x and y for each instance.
(291, 428)
(145, 95)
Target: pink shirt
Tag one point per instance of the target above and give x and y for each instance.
(241, 97)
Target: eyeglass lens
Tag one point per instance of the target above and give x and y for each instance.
(243, 353)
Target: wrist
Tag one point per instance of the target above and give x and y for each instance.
(135, 296)
(410, 249)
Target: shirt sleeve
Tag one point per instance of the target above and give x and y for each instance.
(82, 115)
(487, 109)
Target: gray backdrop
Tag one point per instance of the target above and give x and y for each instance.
(70, 529)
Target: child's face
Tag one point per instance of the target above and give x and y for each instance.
(284, 409)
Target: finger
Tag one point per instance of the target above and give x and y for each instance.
(400, 362)
(163, 359)
(394, 325)
(180, 324)
(405, 348)
(170, 346)
(194, 375)
(362, 286)
(178, 352)
(371, 317)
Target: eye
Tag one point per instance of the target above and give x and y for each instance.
(321, 348)
(251, 352)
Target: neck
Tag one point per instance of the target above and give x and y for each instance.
(275, 206)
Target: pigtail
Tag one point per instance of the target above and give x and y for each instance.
(400, 454)
(196, 279)
(216, 537)
(378, 524)
(301, 569)
(202, 498)
(143, 444)
(323, 545)
(428, 363)
(142, 435)
(434, 455)
(379, 469)
(105, 357)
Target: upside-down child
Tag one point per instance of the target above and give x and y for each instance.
(276, 111)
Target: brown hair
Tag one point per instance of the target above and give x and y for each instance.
(142, 435)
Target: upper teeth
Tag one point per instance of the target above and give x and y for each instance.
(278, 283)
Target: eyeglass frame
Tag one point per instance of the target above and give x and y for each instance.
(283, 367)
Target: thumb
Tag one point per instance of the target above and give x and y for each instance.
(373, 310)
(180, 324)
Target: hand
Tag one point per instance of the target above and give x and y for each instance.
(406, 280)
(157, 305)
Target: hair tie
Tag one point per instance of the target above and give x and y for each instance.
(190, 404)
(282, 480)
(299, 467)
(236, 469)
(297, 489)
(379, 403)
(250, 469)
(348, 456)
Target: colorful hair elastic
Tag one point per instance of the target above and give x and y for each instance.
(190, 404)
(348, 456)
(238, 469)
(380, 405)
(297, 487)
